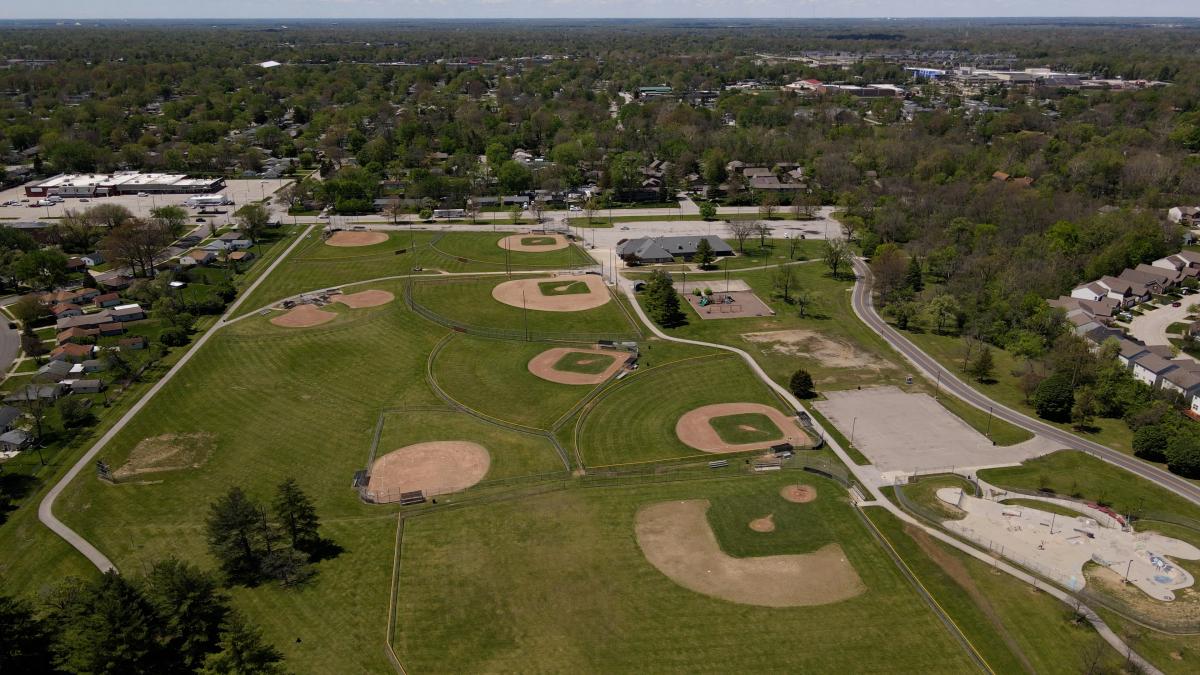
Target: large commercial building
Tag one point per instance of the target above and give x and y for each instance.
(121, 183)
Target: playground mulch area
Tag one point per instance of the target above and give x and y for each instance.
(729, 305)
(697, 429)
(529, 293)
(437, 467)
(370, 298)
(534, 243)
(304, 316)
(346, 238)
(569, 365)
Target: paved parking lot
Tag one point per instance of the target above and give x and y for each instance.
(241, 191)
(905, 433)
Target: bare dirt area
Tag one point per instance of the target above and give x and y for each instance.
(168, 452)
(1185, 607)
(695, 429)
(515, 243)
(371, 298)
(435, 468)
(542, 365)
(348, 239)
(810, 344)
(304, 316)
(799, 494)
(527, 293)
(676, 538)
(764, 524)
(743, 304)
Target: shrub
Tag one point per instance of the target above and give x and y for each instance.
(1150, 442)
(1054, 399)
(801, 384)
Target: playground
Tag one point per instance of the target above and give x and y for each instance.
(571, 365)
(728, 305)
(534, 243)
(554, 294)
(1060, 546)
(677, 539)
(738, 427)
(434, 468)
(351, 239)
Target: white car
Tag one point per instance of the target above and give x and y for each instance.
(574, 208)
(143, 194)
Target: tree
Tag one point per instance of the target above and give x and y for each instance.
(297, 516)
(704, 256)
(173, 219)
(708, 210)
(1054, 398)
(913, 279)
(535, 210)
(74, 412)
(837, 255)
(472, 210)
(1150, 442)
(136, 244)
(903, 312)
(662, 302)
(425, 214)
(942, 310)
(107, 627)
(190, 608)
(29, 310)
(252, 220)
(108, 216)
(888, 267)
(1083, 411)
(763, 231)
(741, 231)
(768, 206)
(513, 177)
(590, 206)
(514, 214)
(803, 299)
(982, 365)
(1183, 454)
(233, 532)
(782, 280)
(801, 384)
(44, 268)
(851, 225)
(242, 651)
(25, 641)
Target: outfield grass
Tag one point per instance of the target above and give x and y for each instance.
(469, 301)
(730, 428)
(634, 419)
(560, 288)
(558, 583)
(482, 250)
(585, 363)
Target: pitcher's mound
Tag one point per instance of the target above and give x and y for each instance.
(534, 243)
(567, 365)
(304, 316)
(695, 427)
(435, 468)
(529, 293)
(345, 238)
(799, 494)
(764, 524)
(366, 299)
(676, 538)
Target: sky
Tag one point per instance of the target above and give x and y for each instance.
(241, 9)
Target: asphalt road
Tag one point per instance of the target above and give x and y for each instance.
(865, 309)
(10, 338)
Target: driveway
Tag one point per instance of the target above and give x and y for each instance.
(1151, 327)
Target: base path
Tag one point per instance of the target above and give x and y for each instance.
(346, 238)
(695, 428)
(528, 294)
(514, 243)
(435, 468)
(676, 538)
(543, 364)
(304, 316)
(372, 298)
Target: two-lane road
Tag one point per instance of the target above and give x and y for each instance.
(864, 307)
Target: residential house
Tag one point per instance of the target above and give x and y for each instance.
(8, 417)
(30, 392)
(87, 386)
(84, 321)
(93, 366)
(1131, 350)
(1188, 216)
(130, 312)
(238, 245)
(111, 328)
(1093, 292)
(240, 256)
(115, 282)
(93, 259)
(132, 343)
(1126, 292)
(198, 256)
(1104, 309)
(54, 371)
(85, 295)
(72, 352)
(75, 264)
(66, 309)
(666, 249)
(77, 335)
(107, 300)
(1184, 260)
(1152, 281)
(14, 440)
(1184, 379)
(1150, 369)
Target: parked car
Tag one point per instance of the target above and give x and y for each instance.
(143, 194)
(1177, 304)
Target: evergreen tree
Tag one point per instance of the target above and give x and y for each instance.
(913, 279)
(297, 516)
(801, 384)
(982, 365)
(242, 651)
(662, 302)
(107, 627)
(234, 536)
(25, 641)
(704, 254)
(190, 607)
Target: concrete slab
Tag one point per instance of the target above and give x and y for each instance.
(903, 433)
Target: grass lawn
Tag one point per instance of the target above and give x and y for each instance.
(560, 288)
(1013, 626)
(584, 362)
(745, 428)
(492, 377)
(557, 582)
(483, 252)
(633, 420)
(924, 493)
(469, 301)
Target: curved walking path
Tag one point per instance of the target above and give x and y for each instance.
(864, 307)
(864, 477)
(46, 508)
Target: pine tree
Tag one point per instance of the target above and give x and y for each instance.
(982, 366)
(108, 627)
(662, 302)
(234, 536)
(297, 516)
(913, 278)
(191, 608)
(24, 640)
(243, 652)
(704, 254)
(801, 384)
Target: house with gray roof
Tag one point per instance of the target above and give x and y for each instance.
(8, 416)
(1150, 368)
(649, 250)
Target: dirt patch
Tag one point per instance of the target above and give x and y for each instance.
(304, 316)
(1185, 607)
(527, 293)
(799, 494)
(764, 524)
(435, 468)
(168, 452)
(347, 239)
(542, 365)
(515, 243)
(695, 429)
(747, 427)
(676, 538)
(809, 344)
(362, 299)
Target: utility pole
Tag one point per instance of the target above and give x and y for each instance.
(989, 424)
